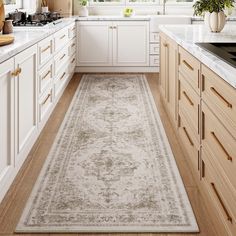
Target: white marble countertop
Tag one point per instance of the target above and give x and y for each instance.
(26, 37)
(187, 35)
(114, 18)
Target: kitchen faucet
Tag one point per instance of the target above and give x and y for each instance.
(164, 7)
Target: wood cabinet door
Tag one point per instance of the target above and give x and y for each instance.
(94, 43)
(6, 123)
(130, 43)
(25, 102)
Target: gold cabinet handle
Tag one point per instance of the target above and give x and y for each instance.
(73, 45)
(221, 97)
(45, 101)
(62, 57)
(189, 139)
(73, 60)
(165, 45)
(188, 98)
(63, 75)
(229, 158)
(16, 72)
(45, 76)
(229, 218)
(63, 36)
(114, 27)
(45, 49)
(73, 28)
(110, 27)
(188, 65)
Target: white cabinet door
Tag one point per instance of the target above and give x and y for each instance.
(94, 43)
(130, 43)
(6, 123)
(25, 102)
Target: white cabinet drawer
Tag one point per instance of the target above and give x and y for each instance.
(45, 50)
(45, 103)
(60, 59)
(154, 48)
(154, 60)
(154, 37)
(72, 47)
(60, 39)
(61, 79)
(72, 31)
(45, 76)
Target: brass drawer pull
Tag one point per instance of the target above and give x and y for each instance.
(229, 218)
(229, 158)
(186, 133)
(73, 45)
(63, 36)
(73, 60)
(45, 76)
(221, 97)
(63, 75)
(165, 45)
(73, 29)
(62, 57)
(16, 72)
(187, 64)
(188, 98)
(45, 101)
(45, 49)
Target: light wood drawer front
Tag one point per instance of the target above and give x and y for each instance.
(189, 102)
(154, 60)
(45, 77)
(154, 48)
(60, 39)
(189, 66)
(220, 97)
(222, 197)
(221, 143)
(72, 31)
(154, 37)
(60, 59)
(45, 50)
(72, 47)
(45, 103)
(191, 144)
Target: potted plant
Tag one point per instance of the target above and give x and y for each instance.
(83, 8)
(44, 6)
(213, 11)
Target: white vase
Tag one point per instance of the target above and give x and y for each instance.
(83, 11)
(216, 21)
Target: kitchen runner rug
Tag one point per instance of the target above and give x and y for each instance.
(111, 168)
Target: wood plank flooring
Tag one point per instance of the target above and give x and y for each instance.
(16, 198)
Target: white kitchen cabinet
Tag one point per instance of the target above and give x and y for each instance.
(113, 43)
(130, 43)
(25, 102)
(94, 43)
(6, 123)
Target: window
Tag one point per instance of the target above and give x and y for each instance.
(11, 5)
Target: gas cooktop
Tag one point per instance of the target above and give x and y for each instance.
(224, 51)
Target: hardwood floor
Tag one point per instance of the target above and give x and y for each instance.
(15, 200)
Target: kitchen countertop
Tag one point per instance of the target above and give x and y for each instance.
(187, 35)
(26, 37)
(114, 18)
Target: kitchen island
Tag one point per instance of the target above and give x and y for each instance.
(198, 90)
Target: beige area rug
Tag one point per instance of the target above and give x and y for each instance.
(111, 168)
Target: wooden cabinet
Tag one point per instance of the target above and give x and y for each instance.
(130, 43)
(94, 43)
(168, 74)
(108, 43)
(64, 7)
(25, 102)
(6, 123)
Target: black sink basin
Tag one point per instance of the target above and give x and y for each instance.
(225, 51)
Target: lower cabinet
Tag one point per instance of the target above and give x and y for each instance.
(205, 108)
(25, 102)
(6, 124)
(113, 43)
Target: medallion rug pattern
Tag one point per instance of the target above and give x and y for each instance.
(111, 168)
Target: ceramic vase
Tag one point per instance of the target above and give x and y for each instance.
(8, 27)
(83, 11)
(215, 21)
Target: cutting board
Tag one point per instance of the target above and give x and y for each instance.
(6, 39)
(2, 14)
